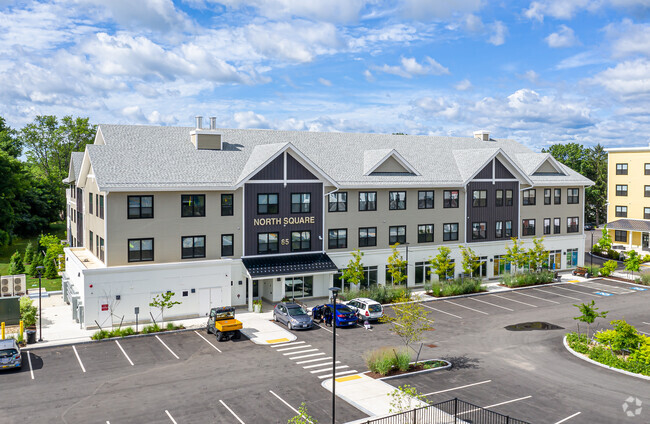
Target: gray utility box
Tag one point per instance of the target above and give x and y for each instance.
(10, 310)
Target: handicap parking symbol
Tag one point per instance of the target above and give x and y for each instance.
(638, 288)
(604, 294)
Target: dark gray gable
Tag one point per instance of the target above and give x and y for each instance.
(296, 171)
(485, 173)
(501, 171)
(272, 171)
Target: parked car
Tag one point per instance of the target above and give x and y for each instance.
(590, 227)
(10, 354)
(345, 317)
(292, 315)
(366, 309)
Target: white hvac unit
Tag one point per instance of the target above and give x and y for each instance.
(6, 285)
(20, 285)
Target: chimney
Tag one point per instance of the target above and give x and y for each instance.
(482, 135)
(204, 139)
(213, 123)
(199, 122)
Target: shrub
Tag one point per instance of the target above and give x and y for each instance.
(101, 334)
(151, 329)
(29, 253)
(28, 311)
(528, 278)
(611, 253)
(381, 294)
(403, 359)
(16, 265)
(645, 279)
(171, 326)
(646, 258)
(608, 268)
(596, 249)
(642, 354)
(456, 287)
(593, 270)
(384, 359)
(128, 331)
(37, 260)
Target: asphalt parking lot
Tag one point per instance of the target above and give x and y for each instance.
(189, 377)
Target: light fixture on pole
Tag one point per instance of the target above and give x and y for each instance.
(40, 308)
(335, 292)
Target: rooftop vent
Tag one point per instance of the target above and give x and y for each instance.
(213, 123)
(206, 139)
(199, 122)
(482, 135)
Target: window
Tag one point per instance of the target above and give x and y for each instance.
(97, 243)
(508, 231)
(528, 227)
(620, 235)
(557, 196)
(267, 203)
(338, 239)
(425, 199)
(370, 274)
(547, 226)
(556, 226)
(572, 224)
(140, 250)
(338, 202)
(90, 203)
(192, 205)
(571, 258)
(97, 204)
(193, 247)
(498, 229)
(300, 241)
(646, 191)
(621, 211)
(389, 276)
(227, 205)
(498, 198)
(423, 272)
(573, 196)
(300, 202)
(450, 199)
(91, 241)
(621, 169)
(646, 213)
(397, 234)
(479, 230)
(501, 265)
(227, 245)
(367, 236)
(140, 207)
(267, 243)
(396, 200)
(367, 200)
(508, 197)
(621, 190)
(101, 206)
(529, 197)
(449, 232)
(479, 198)
(425, 233)
(647, 169)
(547, 196)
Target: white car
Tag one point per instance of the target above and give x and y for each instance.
(366, 309)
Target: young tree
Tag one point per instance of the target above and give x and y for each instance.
(50, 263)
(164, 301)
(589, 315)
(605, 241)
(441, 263)
(410, 322)
(632, 262)
(516, 254)
(37, 261)
(405, 398)
(397, 266)
(595, 168)
(470, 260)
(354, 272)
(537, 255)
(29, 253)
(608, 268)
(16, 265)
(303, 416)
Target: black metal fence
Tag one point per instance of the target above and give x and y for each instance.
(453, 411)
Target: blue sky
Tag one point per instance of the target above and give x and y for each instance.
(541, 72)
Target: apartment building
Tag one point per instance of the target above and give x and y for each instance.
(225, 216)
(628, 196)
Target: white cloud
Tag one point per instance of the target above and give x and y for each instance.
(430, 9)
(531, 76)
(564, 37)
(499, 35)
(338, 11)
(567, 9)
(158, 15)
(628, 38)
(629, 79)
(368, 75)
(463, 85)
(326, 83)
(580, 59)
(410, 67)
(251, 119)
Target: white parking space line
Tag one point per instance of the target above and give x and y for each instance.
(647, 334)
(329, 369)
(78, 359)
(323, 328)
(493, 304)
(313, 360)
(442, 312)
(208, 341)
(581, 292)
(318, 365)
(302, 351)
(536, 297)
(285, 402)
(307, 356)
(467, 307)
(605, 287)
(646, 323)
(338, 373)
(127, 356)
(518, 301)
(286, 344)
(292, 348)
(231, 411)
(29, 360)
(458, 388)
(568, 418)
(508, 401)
(170, 416)
(171, 351)
(558, 294)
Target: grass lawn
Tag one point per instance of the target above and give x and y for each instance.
(58, 229)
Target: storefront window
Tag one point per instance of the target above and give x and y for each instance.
(423, 272)
(389, 277)
(554, 259)
(571, 258)
(501, 266)
(299, 287)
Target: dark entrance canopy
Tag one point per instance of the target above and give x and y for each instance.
(289, 265)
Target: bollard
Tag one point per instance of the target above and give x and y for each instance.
(22, 328)
(3, 330)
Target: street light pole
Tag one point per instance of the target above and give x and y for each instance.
(40, 308)
(335, 291)
(591, 250)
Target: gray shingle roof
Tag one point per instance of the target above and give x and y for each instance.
(164, 157)
(629, 225)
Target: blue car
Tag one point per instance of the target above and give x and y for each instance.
(345, 317)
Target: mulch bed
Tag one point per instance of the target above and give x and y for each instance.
(413, 368)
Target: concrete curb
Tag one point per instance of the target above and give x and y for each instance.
(408, 374)
(584, 358)
(349, 400)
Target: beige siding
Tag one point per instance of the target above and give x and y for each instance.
(167, 227)
(92, 222)
(539, 211)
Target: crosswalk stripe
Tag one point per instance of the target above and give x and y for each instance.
(302, 351)
(318, 365)
(328, 369)
(307, 356)
(314, 360)
(293, 348)
(338, 373)
(286, 344)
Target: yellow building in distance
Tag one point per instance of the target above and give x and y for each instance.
(628, 196)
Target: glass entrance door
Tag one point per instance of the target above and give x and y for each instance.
(645, 240)
(299, 287)
(255, 290)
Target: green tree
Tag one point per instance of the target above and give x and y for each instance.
(442, 263)
(589, 314)
(605, 241)
(16, 265)
(8, 141)
(29, 253)
(163, 301)
(470, 260)
(354, 272)
(595, 168)
(303, 416)
(516, 254)
(50, 264)
(570, 154)
(397, 266)
(410, 322)
(405, 398)
(14, 182)
(632, 262)
(28, 311)
(608, 268)
(37, 261)
(537, 255)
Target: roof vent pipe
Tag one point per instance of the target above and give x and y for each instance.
(213, 123)
(199, 122)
